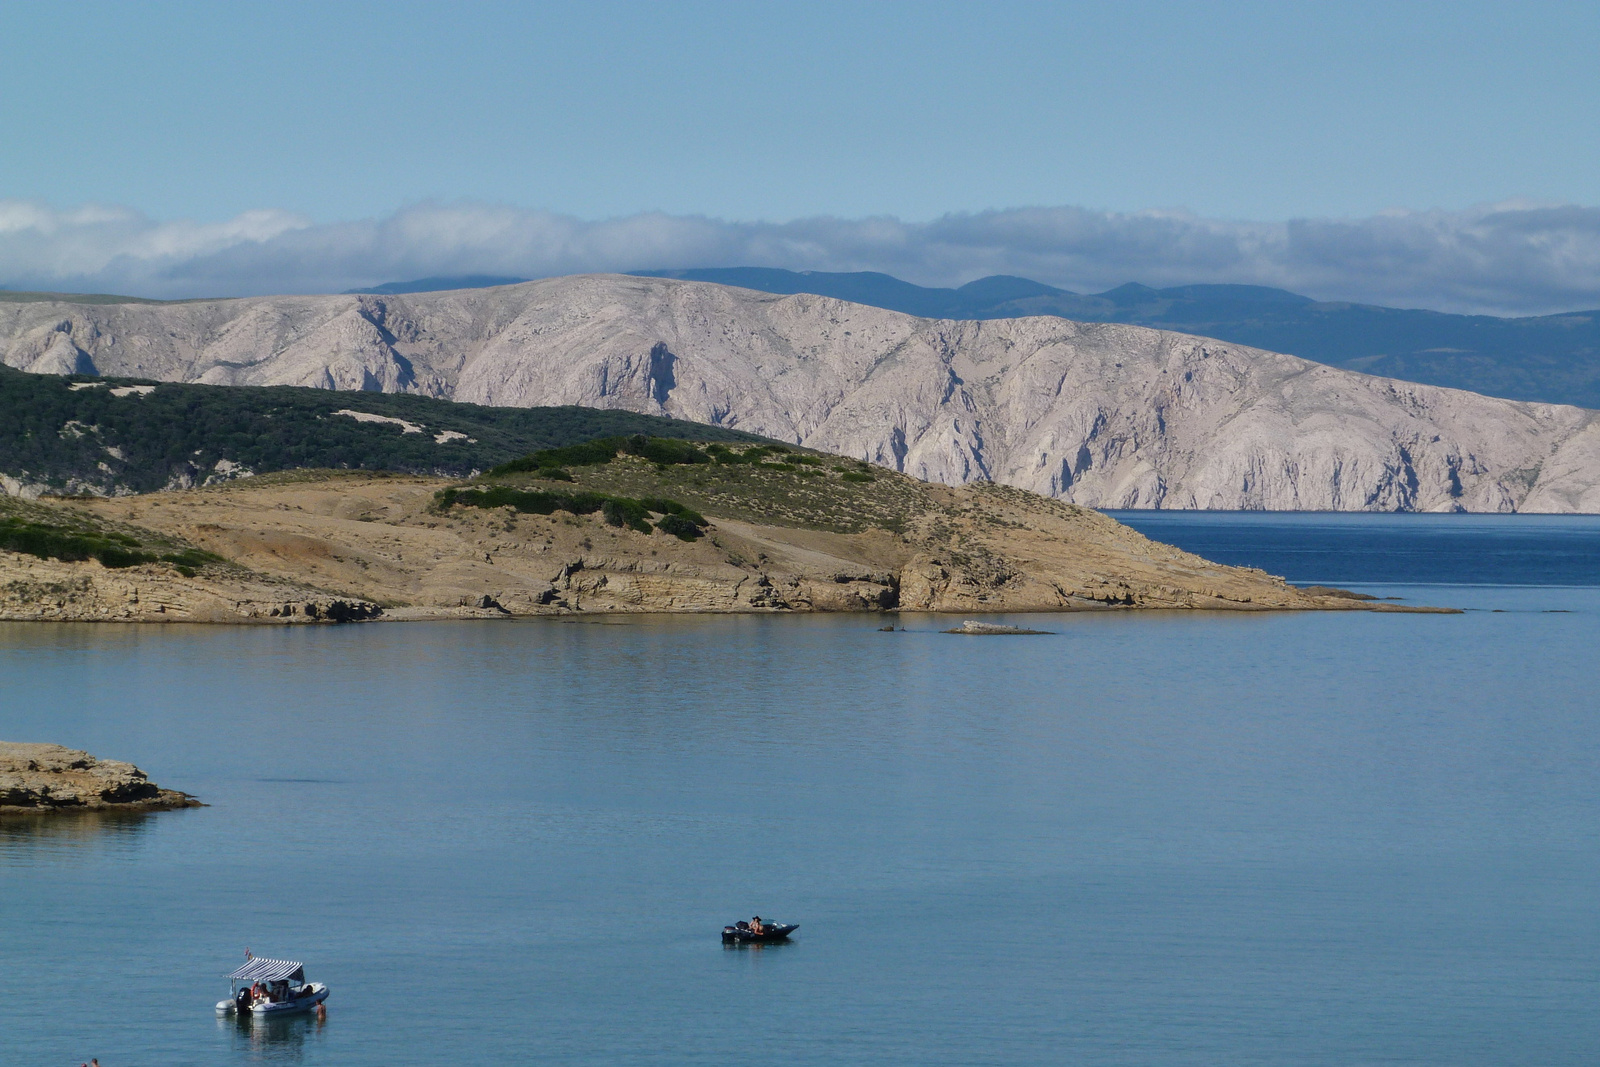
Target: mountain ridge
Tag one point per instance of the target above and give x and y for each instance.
(1101, 414)
(1553, 359)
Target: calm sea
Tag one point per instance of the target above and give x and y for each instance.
(1148, 839)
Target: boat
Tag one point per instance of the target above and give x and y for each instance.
(266, 987)
(741, 934)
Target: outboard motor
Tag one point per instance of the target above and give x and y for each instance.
(241, 1002)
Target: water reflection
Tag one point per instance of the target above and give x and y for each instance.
(272, 1040)
(23, 834)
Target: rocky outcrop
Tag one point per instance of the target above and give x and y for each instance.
(51, 590)
(974, 628)
(49, 778)
(1098, 414)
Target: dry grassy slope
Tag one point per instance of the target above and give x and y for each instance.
(35, 589)
(973, 548)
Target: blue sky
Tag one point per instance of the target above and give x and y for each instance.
(181, 121)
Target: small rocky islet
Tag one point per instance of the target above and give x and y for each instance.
(38, 778)
(975, 628)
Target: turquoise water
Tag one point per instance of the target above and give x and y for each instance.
(1167, 839)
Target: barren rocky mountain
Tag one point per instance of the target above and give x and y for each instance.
(1099, 414)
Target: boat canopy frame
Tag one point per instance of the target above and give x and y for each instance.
(264, 970)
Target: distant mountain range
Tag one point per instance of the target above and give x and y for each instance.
(1097, 413)
(437, 284)
(1549, 358)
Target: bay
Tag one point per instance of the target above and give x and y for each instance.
(1149, 838)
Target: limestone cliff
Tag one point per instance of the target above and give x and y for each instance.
(1098, 414)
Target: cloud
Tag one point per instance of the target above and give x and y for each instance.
(1509, 258)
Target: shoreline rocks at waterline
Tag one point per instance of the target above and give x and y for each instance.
(37, 778)
(992, 629)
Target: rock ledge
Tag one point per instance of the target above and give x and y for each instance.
(42, 778)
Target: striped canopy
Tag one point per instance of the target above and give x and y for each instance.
(260, 970)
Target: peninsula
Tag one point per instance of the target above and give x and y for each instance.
(634, 524)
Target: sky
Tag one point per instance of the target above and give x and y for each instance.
(1438, 155)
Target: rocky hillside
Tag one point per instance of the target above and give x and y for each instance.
(1099, 414)
(1549, 358)
(59, 562)
(726, 528)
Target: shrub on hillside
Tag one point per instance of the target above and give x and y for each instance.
(547, 463)
(679, 527)
(74, 546)
(615, 510)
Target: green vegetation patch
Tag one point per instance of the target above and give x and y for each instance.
(552, 462)
(106, 435)
(762, 482)
(835, 494)
(682, 522)
(73, 539)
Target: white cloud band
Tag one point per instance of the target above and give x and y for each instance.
(1512, 258)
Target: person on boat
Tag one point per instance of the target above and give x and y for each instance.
(756, 927)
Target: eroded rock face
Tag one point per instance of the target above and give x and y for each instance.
(44, 777)
(1099, 414)
(51, 590)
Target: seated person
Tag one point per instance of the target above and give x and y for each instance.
(755, 925)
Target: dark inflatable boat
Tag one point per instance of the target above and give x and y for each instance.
(741, 934)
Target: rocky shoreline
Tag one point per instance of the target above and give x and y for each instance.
(38, 778)
(326, 547)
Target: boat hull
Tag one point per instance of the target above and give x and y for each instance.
(732, 935)
(318, 994)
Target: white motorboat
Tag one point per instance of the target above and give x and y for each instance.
(271, 987)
